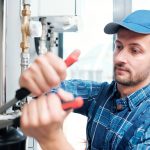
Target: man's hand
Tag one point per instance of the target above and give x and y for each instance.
(43, 119)
(46, 72)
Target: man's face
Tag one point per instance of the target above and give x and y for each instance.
(131, 58)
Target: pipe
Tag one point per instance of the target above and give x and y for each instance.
(25, 28)
(2, 53)
(25, 56)
(42, 42)
(26, 2)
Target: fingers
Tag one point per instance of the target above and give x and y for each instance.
(46, 72)
(55, 109)
(46, 111)
(44, 115)
(58, 64)
(65, 96)
(35, 114)
(29, 115)
(26, 81)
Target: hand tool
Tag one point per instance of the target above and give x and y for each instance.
(23, 92)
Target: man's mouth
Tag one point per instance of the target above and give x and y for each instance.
(121, 70)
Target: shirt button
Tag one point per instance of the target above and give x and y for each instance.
(119, 107)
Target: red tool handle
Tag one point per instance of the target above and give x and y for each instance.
(77, 102)
(72, 58)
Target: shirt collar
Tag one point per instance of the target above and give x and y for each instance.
(134, 99)
(138, 97)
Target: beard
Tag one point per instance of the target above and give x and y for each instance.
(130, 79)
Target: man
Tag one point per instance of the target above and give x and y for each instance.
(118, 113)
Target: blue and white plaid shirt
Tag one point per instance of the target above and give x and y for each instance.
(114, 115)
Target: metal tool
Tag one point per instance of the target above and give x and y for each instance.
(23, 93)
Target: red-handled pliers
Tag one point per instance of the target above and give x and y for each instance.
(23, 92)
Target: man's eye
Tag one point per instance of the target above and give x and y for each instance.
(135, 50)
(118, 47)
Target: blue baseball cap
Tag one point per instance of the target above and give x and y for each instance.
(138, 21)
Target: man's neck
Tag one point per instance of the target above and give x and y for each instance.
(127, 90)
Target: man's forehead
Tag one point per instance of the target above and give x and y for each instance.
(125, 31)
(128, 34)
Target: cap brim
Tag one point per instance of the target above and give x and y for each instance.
(112, 28)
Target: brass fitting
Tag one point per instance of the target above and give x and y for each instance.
(25, 28)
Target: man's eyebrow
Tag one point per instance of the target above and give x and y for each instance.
(117, 41)
(136, 44)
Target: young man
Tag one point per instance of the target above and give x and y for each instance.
(118, 113)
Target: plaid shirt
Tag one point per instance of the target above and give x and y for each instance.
(114, 115)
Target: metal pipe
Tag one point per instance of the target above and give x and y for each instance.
(2, 52)
(26, 2)
(25, 56)
(42, 44)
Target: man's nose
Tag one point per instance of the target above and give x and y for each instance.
(122, 56)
